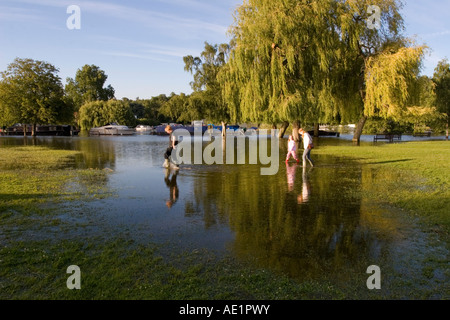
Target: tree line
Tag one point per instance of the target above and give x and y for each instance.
(31, 92)
(288, 63)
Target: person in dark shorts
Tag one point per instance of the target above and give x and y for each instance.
(172, 145)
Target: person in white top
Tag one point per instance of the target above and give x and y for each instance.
(308, 146)
(292, 150)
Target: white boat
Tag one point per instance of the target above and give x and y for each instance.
(144, 128)
(112, 129)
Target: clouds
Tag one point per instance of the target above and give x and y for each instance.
(163, 18)
(147, 40)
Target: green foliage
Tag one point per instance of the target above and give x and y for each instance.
(149, 111)
(279, 62)
(441, 78)
(306, 60)
(206, 102)
(31, 92)
(88, 86)
(389, 79)
(175, 107)
(100, 113)
(380, 125)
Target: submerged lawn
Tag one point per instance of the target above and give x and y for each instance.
(412, 176)
(34, 257)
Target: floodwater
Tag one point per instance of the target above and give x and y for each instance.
(308, 223)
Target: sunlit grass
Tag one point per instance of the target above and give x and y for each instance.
(414, 176)
(411, 176)
(35, 175)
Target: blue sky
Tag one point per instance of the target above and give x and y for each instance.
(140, 44)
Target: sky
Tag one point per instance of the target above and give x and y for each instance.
(141, 44)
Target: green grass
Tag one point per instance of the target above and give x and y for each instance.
(123, 270)
(35, 175)
(413, 176)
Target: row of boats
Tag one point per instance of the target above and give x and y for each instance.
(114, 129)
(121, 130)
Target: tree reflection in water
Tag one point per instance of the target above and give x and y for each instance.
(307, 227)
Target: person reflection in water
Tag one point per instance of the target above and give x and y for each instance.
(291, 171)
(306, 189)
(171, 183)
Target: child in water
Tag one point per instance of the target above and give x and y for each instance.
(292, 150)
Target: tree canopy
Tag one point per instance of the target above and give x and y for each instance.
(318, 61)
(31, 92)
(206, 101)
(88, 86)
(100, 113)
(441, 79)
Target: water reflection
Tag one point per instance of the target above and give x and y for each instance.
(170, 179)
(306, 187)
(309, 225)
(282, 225)
(291, 173)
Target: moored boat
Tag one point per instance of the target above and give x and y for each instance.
(41, 130)
(112, 129)
(144, 129)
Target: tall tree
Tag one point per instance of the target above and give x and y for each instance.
(88, 86)
(441, 78)
(387, 63)
(280, 61)
(176, 107)
(312, 61)
(31, 92)
(206, 87)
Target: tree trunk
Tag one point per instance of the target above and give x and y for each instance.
(283, 129)
(295, 134)
(33, 130)
(447, 127)
(316, 130)
(274, 129)
(359, 129)
(224, 129)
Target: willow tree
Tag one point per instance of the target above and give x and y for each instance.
(313, 61)
(387, 63)
(441, 79)
(100, 113)
(279, 66)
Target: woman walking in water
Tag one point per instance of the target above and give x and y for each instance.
(308, 146)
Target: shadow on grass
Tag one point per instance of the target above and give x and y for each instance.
(391, 161)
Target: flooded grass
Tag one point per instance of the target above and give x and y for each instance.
(46, 226)
(414, 176)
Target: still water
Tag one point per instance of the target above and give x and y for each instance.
(308, 223)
